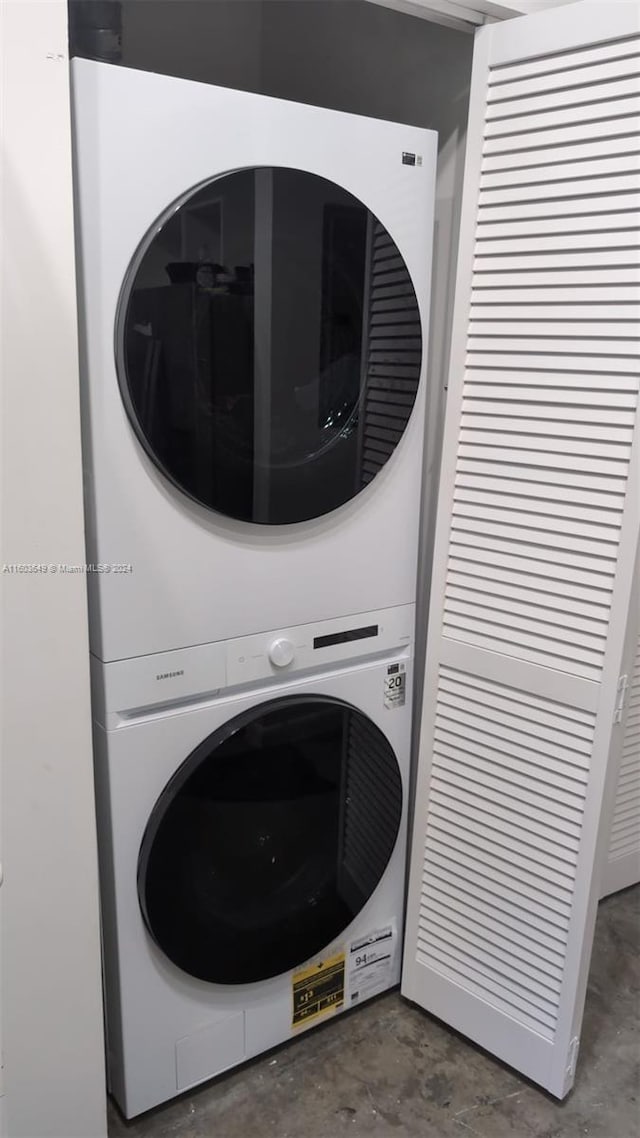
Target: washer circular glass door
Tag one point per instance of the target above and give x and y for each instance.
(268, 345)
(269, 839)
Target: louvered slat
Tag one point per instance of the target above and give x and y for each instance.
(504, 100)
(622, 331)
(569, 361)
(504, 192)
(591, 166)
(561, 127)
(570, 68)
(553, 295)
(542, 236)
(571, 206)
(605, 149)
(528, 245)
(568, 63)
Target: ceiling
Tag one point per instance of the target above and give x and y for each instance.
(468, 14)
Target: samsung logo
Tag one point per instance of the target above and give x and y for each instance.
(169, 675)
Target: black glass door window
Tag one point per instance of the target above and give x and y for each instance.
(268, 345)
(269, 839)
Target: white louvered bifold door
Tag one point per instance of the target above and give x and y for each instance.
(622, 867)
(535, 540)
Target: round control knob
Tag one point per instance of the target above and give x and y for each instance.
(281, 652)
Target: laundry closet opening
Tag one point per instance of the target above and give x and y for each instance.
(255, 280)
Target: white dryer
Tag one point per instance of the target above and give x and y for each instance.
(252, 841)
(254, 284)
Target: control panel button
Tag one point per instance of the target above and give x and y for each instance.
(281, 652)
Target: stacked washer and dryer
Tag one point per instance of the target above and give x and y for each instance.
(254, 279)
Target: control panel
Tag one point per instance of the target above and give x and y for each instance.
(326, 642)
(125, 689)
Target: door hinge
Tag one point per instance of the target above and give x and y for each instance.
(621, 692)
(574, 1047)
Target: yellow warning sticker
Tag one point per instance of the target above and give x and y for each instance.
(318, 989)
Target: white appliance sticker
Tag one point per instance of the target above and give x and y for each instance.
(395, 686)
(370, 962)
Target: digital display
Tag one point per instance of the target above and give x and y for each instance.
(345, 637)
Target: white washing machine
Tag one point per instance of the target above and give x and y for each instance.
(254, 295)
(252, 833)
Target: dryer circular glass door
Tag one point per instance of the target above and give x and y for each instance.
(269, 839)
(268, 345)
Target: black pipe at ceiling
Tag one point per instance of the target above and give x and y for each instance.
(95, 29)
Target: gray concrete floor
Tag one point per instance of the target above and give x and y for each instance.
(388, 1070)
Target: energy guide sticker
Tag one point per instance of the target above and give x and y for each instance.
(370, 963)
(395, 686)
(318, 989)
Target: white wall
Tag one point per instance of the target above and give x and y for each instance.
(51, 993)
